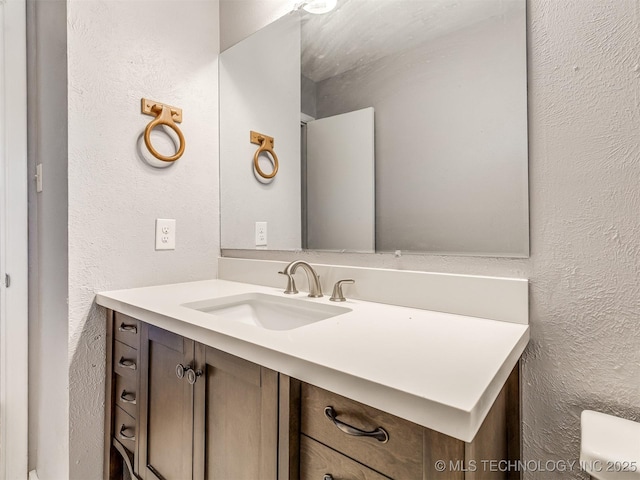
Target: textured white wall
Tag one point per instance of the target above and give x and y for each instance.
(118, 52)
(260, 91)
(584, 130)
(48, 256)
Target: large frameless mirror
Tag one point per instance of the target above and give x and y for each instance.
(398, 125)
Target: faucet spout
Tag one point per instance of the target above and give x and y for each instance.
(315, 289)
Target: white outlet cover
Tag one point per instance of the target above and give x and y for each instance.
(39, 178)
(165, 234)
(261, 234)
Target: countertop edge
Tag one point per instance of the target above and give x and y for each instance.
(452, 421)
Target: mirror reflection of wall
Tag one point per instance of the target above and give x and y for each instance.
(447, 81)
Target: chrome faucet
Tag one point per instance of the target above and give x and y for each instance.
(315, 289)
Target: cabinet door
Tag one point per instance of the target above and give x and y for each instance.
(236, 418)
(166, 409)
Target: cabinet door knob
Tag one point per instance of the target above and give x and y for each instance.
(327, 476)
(379, 433)
(192, 375)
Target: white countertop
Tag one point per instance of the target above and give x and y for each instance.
(440, 370)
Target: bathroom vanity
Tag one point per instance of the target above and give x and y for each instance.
(373, 392)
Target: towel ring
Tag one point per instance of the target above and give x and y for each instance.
(165, 115)
(266, 145)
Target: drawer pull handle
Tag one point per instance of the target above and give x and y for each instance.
(124, 363)
(126, 437)
(379, 433)
(327, 476)
(128, 397)
(128, 328)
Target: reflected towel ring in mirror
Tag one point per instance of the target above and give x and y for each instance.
(266, 145)
(165, 115)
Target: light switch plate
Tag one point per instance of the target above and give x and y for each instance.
(165, 234)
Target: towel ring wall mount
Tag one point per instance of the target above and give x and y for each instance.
(266, 146)
(165, 115)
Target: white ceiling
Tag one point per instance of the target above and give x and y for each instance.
(358, 32)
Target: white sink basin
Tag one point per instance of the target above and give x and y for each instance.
(268, 311)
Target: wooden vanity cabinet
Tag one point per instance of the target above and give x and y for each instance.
(199, 413)
(180, 410)
(122, 392)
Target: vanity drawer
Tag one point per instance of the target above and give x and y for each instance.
(400, 457)
(125, 360)
(126, 330)
(318, 462)
(125, 429)
(126, 394)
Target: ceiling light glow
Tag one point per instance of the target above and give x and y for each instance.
(320, 6)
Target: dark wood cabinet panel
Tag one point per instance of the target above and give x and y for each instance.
(166, 406)
(318, 462)
(112, 459)
(399, 457)
(288, 428)
(441, 447)
(236, 418)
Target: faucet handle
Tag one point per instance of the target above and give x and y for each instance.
(291, 284)
(337, 295)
